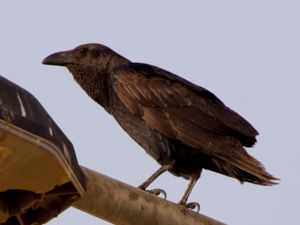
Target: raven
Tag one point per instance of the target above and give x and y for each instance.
(184, 127)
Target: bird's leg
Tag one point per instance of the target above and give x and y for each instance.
(160, 171)
(191, 205)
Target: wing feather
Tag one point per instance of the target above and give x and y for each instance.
(153, 93)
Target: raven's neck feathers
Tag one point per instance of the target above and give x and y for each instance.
(93, 82)
(96, 81)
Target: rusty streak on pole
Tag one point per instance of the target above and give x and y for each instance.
(121, 204)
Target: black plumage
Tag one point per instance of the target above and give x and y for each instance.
(184, 127)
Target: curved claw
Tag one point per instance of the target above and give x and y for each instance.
(158, 192)
(193, 205)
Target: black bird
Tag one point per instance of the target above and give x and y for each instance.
(184, 127)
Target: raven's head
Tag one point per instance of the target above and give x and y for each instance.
(84, 57)
(91, 65)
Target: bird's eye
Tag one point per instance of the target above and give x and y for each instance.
(82, 51)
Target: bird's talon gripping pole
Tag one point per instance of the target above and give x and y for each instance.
(193, 205)
(158, 192)
(157, 173)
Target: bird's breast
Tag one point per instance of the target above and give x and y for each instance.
(154, 143)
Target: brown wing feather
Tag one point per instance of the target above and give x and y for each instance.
(141, 91)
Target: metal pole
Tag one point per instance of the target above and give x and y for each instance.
(121, 204)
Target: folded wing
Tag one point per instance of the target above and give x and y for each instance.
(184, 111)
(178, 108)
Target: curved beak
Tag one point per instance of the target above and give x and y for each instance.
(59, 59)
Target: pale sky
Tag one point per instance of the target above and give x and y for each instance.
(246, 52)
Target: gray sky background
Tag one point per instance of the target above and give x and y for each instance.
(246, 52)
